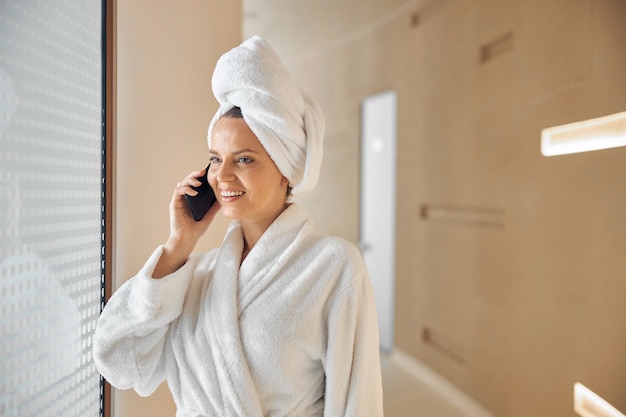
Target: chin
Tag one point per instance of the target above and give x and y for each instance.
(231, 214)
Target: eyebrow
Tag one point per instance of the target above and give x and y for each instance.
(238, 152)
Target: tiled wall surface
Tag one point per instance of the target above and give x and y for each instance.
(516, 309)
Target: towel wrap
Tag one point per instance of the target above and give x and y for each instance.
(288, 123)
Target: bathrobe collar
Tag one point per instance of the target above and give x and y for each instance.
(233, 287)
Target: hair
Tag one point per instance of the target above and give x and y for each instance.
(235, 113)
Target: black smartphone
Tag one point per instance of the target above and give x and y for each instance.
(200, 203)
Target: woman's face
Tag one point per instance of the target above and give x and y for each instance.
(246, 181)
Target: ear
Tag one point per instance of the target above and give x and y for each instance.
(284, 181)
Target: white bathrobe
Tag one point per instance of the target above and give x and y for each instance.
(292, 332)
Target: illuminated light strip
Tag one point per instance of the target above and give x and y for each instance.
(590, 135)
(589, 404)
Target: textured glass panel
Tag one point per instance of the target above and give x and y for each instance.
(50, 206)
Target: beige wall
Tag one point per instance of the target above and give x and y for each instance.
(519, 308)
(166, 52)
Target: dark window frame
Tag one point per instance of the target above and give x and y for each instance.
(108, 137)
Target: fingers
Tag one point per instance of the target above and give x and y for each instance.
(191, 180)
(183, 188)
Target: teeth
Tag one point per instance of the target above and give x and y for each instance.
(231, 193)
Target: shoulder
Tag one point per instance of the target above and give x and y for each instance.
(327, 245)
(340, 247)
(340, 256)
(203, 260)
(202, 265)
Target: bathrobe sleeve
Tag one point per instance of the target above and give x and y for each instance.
(352, 362)
(129, 341)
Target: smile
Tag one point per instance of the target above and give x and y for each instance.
(231, 193)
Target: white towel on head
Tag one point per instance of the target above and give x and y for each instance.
(287, 122)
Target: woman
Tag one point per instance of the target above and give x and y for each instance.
(278, 321)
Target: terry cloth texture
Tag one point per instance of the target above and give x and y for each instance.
(291, 332)
(288, 123)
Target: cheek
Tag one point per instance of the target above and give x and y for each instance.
(267, 187)
(212, 180)
(276, 180)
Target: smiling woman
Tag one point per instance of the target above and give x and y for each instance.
(279, 319)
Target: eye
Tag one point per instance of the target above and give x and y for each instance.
(214, 160)
(243, 160)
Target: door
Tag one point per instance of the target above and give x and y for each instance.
(378, 204)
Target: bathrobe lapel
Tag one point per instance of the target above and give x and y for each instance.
(275, 251)
(235, 384)
(233, 288)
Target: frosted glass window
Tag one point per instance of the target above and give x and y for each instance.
(51, 141)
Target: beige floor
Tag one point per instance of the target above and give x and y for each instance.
(407, 396)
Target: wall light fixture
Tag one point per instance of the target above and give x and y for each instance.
(588, 135)
(589, 404)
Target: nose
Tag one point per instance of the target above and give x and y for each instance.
(222, 172)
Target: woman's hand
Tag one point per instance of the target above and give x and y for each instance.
(184, 230)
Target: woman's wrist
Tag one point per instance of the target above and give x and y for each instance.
(174, 256)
